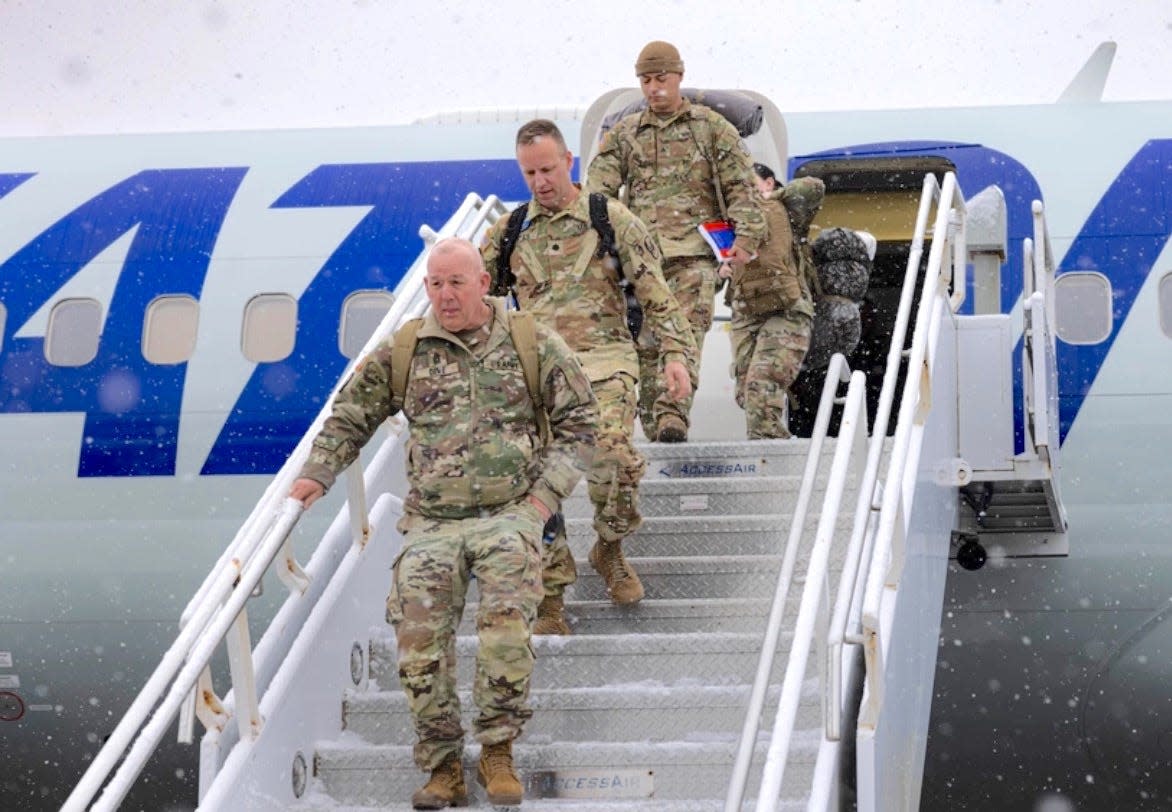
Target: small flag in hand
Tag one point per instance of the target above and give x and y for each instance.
(719, 235)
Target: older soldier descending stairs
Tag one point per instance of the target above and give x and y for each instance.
(560, 275)
(682, 164)
(482, 487)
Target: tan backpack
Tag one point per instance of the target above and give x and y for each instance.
(523, 331)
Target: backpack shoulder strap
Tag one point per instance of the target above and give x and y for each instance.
(600, 220)
(503, 283)
(523, 330)
(402, 351)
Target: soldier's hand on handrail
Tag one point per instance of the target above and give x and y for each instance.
(306, 491)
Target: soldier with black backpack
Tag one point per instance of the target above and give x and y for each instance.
(569, 259)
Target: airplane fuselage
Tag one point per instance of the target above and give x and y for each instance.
(123, 478)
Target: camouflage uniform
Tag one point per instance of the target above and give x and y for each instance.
(474, 454)
(769, 347)
(667, 167)
(562, 281)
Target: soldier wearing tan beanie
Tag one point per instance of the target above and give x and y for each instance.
(659, 57)
(681, 164)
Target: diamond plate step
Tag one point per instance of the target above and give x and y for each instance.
(669, 616)
(626, 712)
(317, 801)
(724, 576)
(584, 660)
(763, 534)
(702, 497)
(725, 459)
(682, 770)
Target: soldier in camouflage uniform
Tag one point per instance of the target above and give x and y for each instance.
(481, 488)
(682, 164)
(772, 308)
(562, 280)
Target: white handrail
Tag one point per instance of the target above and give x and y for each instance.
(1039, 335)
(221, 598)
(836, 371)
(198, 653)
(888, 555)
(860, 548)
(860, 551)
(852, 434)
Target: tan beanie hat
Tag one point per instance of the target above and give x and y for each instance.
(659, 57)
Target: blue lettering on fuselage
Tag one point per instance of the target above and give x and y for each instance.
(281, 399)
(132, 406)
(10, 181)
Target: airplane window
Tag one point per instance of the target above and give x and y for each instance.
(75, 325)
(1082, 303)
(361, 313)
(270, 327)
(1165, 305)
(168, 332)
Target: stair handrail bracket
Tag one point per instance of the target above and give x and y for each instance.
(1039, 344)
(926, 428)
(217, 611)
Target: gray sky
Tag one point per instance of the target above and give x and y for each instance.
(158, 65)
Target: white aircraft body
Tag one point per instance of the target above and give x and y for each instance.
(175, 308)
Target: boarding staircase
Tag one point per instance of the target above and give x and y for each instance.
(783, 656)
(642, 705)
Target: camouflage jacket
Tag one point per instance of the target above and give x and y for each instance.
(773, 282)
(473, 442)
(667, 165)
(561, 280)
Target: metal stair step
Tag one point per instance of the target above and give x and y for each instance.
(318, 801)
(622, 712)
(764, 534)
(744, 458)
(697, 577)
(690, 577)
(677, 770)
(654, 615)
(582, 660)
(663, 615)
(702, 497)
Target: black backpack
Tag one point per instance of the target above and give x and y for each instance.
(600, 221)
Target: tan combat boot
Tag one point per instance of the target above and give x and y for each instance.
(671, 429)
(551, 617)
(445, 787)
(622, 583)
(496, 774)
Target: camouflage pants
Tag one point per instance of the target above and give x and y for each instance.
(768, 352)
(613, 480)
(693, 282)
(428, 588)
